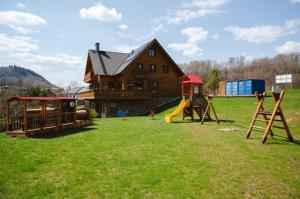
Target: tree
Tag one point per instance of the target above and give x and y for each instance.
(35, 92)
(213, 80)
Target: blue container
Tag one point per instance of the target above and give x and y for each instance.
(250, 86)
(231, 88)
(241, 87)
(122, 113)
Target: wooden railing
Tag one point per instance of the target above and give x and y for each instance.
(39, 121)
(115, 94)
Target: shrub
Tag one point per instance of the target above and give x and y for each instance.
(93, 113)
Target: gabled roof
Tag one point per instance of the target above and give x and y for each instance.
(113, 63)
(75, 90)
(105, 62)
(192, 79)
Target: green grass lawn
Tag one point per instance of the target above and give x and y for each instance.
(137, 157)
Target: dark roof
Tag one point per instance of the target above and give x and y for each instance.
(105, 62)
(113, 63)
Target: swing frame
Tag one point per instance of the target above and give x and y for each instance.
(277, 111)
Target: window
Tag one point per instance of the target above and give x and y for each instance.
(140, 66)
(135, 85)
(153, 87)
(152, 68)
(165, 69)
(108, 85)
(152, 52)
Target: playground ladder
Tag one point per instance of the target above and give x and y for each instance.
(269, 116)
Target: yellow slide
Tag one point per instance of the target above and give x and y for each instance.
(179, 108)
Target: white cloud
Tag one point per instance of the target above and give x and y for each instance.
(195, 34)
(190, 48)
(205, 4)
(215, 36)
(263, 33)
(101, 13)
(22, 22)
(21, 5)
(16, 44)
(288, 47)
(192, 9)
(20, 29)
(124, 48)
(292, 23)
(20, 19)
(157, 25)
(187, 49)
(257, 34)
(295, 1)
(123, 26)
(22, 51)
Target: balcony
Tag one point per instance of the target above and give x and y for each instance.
(114, 94)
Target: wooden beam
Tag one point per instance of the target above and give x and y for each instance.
(25, 115)
(7, 116)
(59, 109)
(57, 114)
(74, 110)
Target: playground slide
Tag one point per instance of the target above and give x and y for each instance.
(179, 108)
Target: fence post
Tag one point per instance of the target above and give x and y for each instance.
(7, 116)
(25, 115)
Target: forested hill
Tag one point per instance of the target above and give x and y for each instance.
(19, 76)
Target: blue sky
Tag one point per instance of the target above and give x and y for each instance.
(52, 37)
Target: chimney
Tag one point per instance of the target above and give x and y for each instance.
(97, 45)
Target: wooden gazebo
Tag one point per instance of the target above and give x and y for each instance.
(32, 115)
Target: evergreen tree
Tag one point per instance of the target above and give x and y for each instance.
(35, 92)
(213, 80)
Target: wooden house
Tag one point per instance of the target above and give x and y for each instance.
(134, 82)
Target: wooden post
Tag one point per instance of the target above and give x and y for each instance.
(212, 107)
(206, 113)
(255, 115)
(74, 110)
(25, 116)
(59, 118)
(264, 139)
(262, 108)
(7, 116)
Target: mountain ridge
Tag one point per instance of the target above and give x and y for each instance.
(13, 75)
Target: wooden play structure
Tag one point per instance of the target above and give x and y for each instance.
(28, 116)
(193, 100)
(207, 110)
(269, 117)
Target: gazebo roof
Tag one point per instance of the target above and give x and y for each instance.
(192, 79)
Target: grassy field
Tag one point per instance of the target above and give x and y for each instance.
(137, 157)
